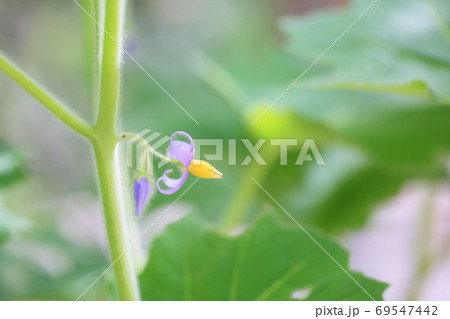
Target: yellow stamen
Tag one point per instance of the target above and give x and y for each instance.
(203, 169)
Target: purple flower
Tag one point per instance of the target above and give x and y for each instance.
(181, 148)
(142, 191)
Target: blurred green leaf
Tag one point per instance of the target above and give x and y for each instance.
(46, 264)
(336, 197)
(408, 139)
(286, 124)
(373, 153)
(378, 153)
(373, 90)
(349, 205)
(12, 169)
(11, 165)
(339, 196)
(10, 224)
(266, 262)
(413, 32)
(414, 89)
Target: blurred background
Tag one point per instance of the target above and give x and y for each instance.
(377, 106)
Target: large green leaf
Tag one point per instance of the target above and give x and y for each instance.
(410, 139)
(266, 262)
(375, 152)
(336, 197)
(395, 42)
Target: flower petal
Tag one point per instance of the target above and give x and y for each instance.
(203, 169)
(181, 148)
(141, 194)
(168, 185)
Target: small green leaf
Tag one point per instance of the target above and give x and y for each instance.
(266, 262)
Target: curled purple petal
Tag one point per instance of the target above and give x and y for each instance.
(142, 190)
(181, 148)
(168, 185)
(184, 157)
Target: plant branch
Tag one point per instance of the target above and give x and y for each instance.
(45, 98)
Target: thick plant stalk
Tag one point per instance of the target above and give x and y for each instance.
(112, 189)
(106, 153)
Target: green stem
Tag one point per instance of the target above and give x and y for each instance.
(111, 64)
(45, 98)
(112, 189)
(425, 259)
(92, 43)
(444, 28)
(109, 164)
(245, 193)
(148, 147)
(242, 199)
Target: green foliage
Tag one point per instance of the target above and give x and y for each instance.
(376, 94)
(266, 262)
(417, 89)
(10, 224)
(335, 197)
(407, 138)
(410, 44)
(46, 264)
(12, 169)
(376, 104)
(12, 166)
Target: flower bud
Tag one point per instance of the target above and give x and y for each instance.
(142, 190)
